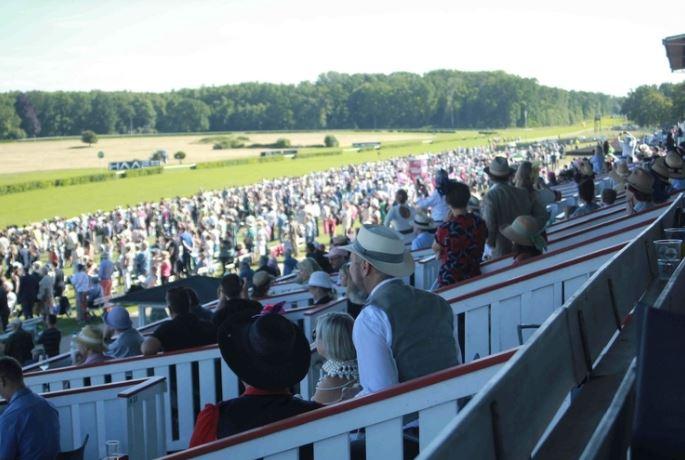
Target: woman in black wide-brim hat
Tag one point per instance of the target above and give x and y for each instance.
(270, 355)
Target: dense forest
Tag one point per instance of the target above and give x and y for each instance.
(442, 99)
(651, 105)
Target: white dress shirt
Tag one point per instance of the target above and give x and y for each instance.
(439, 208)
(372, 337)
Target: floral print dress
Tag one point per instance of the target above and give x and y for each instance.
(462, 239)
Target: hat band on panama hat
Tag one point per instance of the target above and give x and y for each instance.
(378, 256)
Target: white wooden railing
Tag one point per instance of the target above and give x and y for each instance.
(131, 412)
(492, 316)
(511, 415)
(197, 374)
(434, 397)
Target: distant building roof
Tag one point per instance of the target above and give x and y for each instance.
(675, 51)
(205, 286)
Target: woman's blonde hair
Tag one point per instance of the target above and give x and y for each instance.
(524, 176)
(334, 331)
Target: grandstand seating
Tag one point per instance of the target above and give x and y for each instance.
(199, 371)
(129, 411)
(433, 397)
(492, 316)
(581, 344)
(589, 232)
(520, 409)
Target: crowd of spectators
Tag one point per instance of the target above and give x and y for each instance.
(477, 205)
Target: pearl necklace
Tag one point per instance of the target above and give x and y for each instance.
(343, 369)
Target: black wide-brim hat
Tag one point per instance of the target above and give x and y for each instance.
(265, 351)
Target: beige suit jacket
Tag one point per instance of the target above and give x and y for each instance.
(500, 206)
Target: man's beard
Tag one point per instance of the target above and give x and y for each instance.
(354, 293)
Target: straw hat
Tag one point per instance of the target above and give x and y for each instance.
(641, 180)
(660, 168)
(522, 230)
(383, 248)
(675, 164)
(423, 221)
(262, 278)
(499, 167)
(320, 279)
(91, 338)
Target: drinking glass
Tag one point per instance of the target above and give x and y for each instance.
(112, 449)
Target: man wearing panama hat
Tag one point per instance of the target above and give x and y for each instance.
(639, 190)
(402, 332)
(661, 173)
(424, 229)
(503, 203)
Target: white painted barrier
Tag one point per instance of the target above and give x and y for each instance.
(198, 374)
(434, 397)
(492, 315)
(131, 412)
(509, 417)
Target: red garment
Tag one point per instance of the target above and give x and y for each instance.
(205, 426)
(208, 419)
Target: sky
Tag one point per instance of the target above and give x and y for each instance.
(158, 45)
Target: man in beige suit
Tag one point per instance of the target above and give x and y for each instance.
(503, 203)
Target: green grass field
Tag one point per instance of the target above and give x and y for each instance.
(22, 208)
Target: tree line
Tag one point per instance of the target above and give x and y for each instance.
(441, 99)
(660, 106)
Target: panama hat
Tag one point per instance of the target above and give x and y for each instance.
(499, 167)
(522, 230)
(423, 221)
(382, 248)
(320, 279)
(676, 167)
(266, 351)
(641, 180)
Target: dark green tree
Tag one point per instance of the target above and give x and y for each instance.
(89, 137)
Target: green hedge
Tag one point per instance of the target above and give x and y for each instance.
(49, 183)
(142, 172)
(322, 153)
(20, 187)
(237, 161)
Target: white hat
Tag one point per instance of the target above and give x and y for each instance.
(383, 248)
(423, 221)
(320, 279)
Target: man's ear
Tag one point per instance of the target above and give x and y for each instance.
(366, 267)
